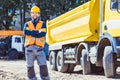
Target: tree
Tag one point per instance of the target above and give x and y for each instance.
(49, 8)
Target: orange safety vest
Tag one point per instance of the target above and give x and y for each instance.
(30, 40)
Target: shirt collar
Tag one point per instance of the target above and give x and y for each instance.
(35, 20)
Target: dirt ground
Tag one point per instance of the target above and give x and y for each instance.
(16, 70)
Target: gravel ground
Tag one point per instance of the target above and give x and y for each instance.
(16, 70)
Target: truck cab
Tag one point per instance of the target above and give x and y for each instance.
(16, 49)
(18, 43)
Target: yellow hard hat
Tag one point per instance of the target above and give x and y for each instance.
(35, 9)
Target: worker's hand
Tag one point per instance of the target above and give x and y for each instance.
(42, 30)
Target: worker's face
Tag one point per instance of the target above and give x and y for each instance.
(35, 15)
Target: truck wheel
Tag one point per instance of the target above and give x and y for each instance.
(85, 63)
(70, 68)
(61, 66)
(52, 60)
(13, 54)
(109, 62)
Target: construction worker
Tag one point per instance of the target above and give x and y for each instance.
(35, 32)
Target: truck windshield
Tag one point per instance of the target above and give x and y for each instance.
(17, 40)
(114, 4)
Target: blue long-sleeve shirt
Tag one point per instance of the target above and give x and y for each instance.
(31, 32)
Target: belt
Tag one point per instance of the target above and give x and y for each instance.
(30, 45)
(34, 45)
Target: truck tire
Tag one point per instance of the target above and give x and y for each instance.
(13, 54)
(109, 62)
(85, 63)
(70, 68)
(61, 66)
(52, 60)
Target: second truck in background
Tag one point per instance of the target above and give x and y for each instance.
(11, 44)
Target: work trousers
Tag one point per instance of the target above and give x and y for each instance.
(33, 53)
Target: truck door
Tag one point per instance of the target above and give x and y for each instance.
(17, 43)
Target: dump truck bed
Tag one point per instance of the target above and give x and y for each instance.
(71, 27)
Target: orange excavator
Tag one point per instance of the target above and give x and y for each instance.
(6, 33)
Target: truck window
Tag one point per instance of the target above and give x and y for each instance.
(114, 4)
(17, 40)
(23, 39)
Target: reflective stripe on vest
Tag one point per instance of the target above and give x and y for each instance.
(30, 40)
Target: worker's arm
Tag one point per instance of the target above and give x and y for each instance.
(42, 32)
(29, 32)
